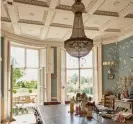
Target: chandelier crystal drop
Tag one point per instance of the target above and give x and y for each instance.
(78, 45)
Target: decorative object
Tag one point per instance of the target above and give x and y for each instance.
(90, 107)
(86, 106)
(126, 81)
(84, 101)
(125, 105)
(53, 75)
(72, 105)
(131, 92)
(131, 58)
(110, 65)
(78, 45)
(131, 70)
(121, 87)
(111, 76)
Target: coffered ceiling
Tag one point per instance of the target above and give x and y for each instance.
(52, 20)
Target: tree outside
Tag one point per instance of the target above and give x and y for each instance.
(73, 84)
(22, 86)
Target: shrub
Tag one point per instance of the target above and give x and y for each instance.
(14, 91)
(30, 90)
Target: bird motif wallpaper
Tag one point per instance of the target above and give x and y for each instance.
(122, 54)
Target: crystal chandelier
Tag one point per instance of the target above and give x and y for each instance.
(78, 45)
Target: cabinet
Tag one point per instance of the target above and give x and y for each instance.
(124, 105)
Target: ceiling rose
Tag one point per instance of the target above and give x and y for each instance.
(116, 3)
(78, 45)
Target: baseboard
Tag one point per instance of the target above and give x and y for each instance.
(52, 103)
(67, 102)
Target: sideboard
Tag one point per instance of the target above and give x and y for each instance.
(125, 105)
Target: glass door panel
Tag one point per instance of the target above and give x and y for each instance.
(18, 57)
(32, 58)
(86, 81)
(72, 83)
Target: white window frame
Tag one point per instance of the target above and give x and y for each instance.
(40, 78)
(81, 68)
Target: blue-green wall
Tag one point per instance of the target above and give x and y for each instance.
(54, 80)
(121, 52)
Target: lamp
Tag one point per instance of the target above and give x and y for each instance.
(78, 45)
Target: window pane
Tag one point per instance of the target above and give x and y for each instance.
(25, 82)
(32, 59)
(86, 61)
(72, 83)
(17, 57)
(86, 81)
(72, 62)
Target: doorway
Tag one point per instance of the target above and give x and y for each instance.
(25, 75)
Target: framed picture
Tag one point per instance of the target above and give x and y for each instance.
(111, 76)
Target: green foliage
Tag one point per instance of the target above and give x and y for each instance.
(83, 80)
(72, 85)
(17, 74)
(14, 91)
(86, 90)
(74, 78)
(30, 90)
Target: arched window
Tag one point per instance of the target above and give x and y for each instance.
(86, 76)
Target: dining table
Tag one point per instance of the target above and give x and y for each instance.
(59, 114)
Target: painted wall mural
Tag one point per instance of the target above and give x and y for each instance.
(121, 53)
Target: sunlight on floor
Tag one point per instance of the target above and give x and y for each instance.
(24, 119)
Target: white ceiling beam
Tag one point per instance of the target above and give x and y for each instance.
(49, 18)
(126, 10)
(94, 5)
(13, 17)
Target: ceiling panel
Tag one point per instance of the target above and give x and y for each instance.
(120, 23)
(3, 10)
(55, 32)
(34, 13)
(96, 20)
(7, 26)
(113, 5)
(63, 18)
(28, 29)
(91, 34)
(55, 22)
(67, 35)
